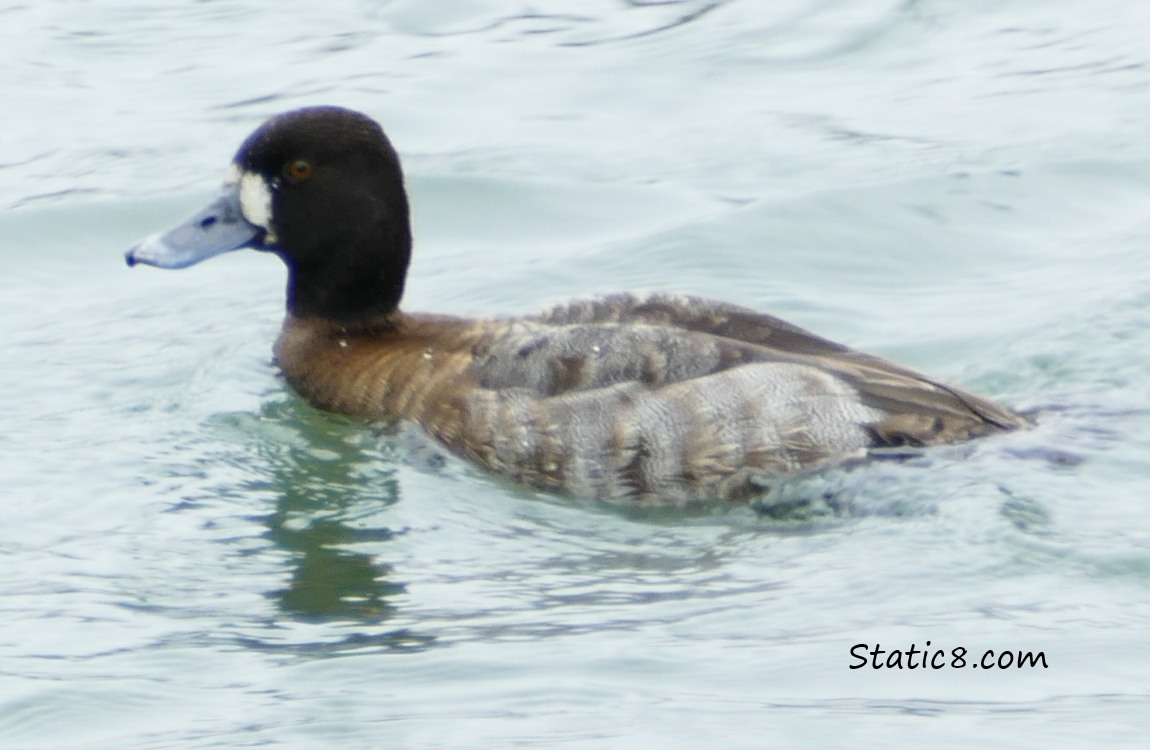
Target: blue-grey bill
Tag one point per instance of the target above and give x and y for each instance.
(218, 228)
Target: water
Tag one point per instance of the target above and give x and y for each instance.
(193, 558)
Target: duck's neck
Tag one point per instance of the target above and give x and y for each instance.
(352, 282)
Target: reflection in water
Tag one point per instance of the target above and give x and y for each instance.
(330, 582)
(331, 483)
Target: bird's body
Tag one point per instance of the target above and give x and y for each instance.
(652, 398)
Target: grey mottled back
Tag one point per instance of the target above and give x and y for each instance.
(660, 398)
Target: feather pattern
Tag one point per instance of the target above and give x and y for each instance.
(643, 398)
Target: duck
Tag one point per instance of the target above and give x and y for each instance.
(641, 398)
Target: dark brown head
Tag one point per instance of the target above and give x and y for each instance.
(322, 188)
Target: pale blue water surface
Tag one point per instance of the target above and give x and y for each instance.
(192, 558)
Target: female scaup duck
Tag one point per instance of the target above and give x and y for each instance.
(648, 398)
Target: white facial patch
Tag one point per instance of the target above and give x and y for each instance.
(255, 199)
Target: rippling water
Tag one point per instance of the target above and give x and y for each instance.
(194, 558)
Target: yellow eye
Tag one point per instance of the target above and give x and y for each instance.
(298, 170)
